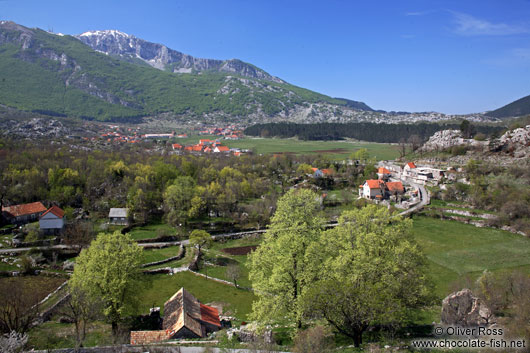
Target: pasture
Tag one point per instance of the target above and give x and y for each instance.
(332, 149)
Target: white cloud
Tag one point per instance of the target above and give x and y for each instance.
(468, 25)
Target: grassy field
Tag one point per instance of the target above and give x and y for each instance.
(333, 149)
(153, 255)
(54, 335)
(159, 288)
(456, 250)
(150, 231)
(215, 253)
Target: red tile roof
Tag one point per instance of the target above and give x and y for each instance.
(327, 171)
(395, 186)
(210, 315)
(374, 183)
(383, 170)
(176, 146)
(55, 210)
(24, 209)
(223, 148)
(411, 165)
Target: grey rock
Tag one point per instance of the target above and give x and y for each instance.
(462, 308)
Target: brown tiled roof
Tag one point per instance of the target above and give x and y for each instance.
(24, 209)
(210, 315)
(55, 210)
(374, 183)
(395, 186)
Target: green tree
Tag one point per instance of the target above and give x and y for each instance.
(367, 271)
(178, 199)
(108, 271)
(278, 268)
(361, 154)
(201, 239)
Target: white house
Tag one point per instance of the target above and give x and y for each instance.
(383, 173)
(372, 189)
(119, 216)
(52, 220)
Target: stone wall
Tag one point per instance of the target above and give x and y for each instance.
(145, 337)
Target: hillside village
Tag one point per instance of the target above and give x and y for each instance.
(53, 232)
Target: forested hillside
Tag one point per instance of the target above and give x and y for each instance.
(386, 133)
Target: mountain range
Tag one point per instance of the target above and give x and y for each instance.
(113, 76)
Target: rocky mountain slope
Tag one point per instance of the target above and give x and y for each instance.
(59, 75)
(133, 49)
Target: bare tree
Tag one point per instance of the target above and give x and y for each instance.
(81, 309)
(233, 273)
(312, 340)
(415, 142)
(79, 234)
(18, 305)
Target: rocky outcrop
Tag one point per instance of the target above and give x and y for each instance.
(445, 139)
(125, 46)
(464, 309)
(516, 142)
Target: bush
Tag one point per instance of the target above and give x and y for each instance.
(458, 150)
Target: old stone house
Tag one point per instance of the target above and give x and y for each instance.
(25, 213)
(184, 317)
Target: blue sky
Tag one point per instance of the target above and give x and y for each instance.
(447, 56)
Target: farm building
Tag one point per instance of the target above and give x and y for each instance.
(119, 216)
(184, 317)
(25, 213)
(52, 220)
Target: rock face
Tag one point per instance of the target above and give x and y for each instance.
(123, 45)
(464, 309)
(516, 142)
(445, 139)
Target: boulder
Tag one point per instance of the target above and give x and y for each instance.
(68, 265)
(464, 309)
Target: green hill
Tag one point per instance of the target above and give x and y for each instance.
(518, 108)
(59, 75)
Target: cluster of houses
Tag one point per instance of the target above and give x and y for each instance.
(419, 175)
(228, 132)
(206, 146)
(51, 220)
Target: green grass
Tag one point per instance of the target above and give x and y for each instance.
(455, 250)
(150, 231)
(291, 145)
(53, 335)
(152, 255)
(159, 288)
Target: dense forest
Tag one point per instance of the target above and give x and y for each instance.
(385, 133)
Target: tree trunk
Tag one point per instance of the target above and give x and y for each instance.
(114, 331)
(357, 338)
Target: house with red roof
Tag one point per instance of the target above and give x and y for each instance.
(383, 173)
(176, 146)
(52, 221)
(218, 149)
(24, 213)
(372, 188)
(184, 317)
(379, 189)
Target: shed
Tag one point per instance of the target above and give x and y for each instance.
(119, 216)
(52, 220)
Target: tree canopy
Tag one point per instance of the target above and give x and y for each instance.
(108, 270)
(368, 270)
(278, 268)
